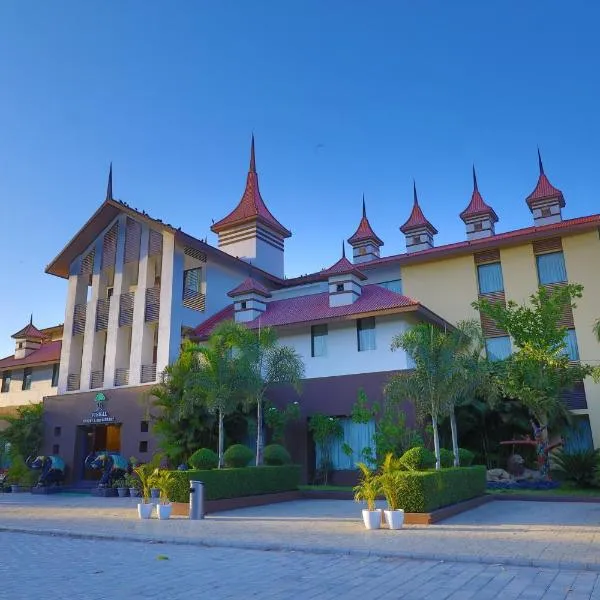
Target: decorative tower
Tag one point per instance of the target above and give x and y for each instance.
(365, 243)
(249, 300)
(344, 280)
(545, 202)
(250, 231)
(418, 230)
(478, 216)
(27, 340)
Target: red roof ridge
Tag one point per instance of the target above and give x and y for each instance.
(249, 285)
(251, 206)
(477, 206)
(364, 231)
(47, 352)
(417, 218)
(544, 190)
(344, 267)
(29, 331)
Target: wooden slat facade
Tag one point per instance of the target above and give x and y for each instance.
(487, 256)
(194, 253)
(109, 247)
(133, 238)
(155, 243)
(548, 245)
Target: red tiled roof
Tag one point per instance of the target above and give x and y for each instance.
(251, 206)
(364, 231)
(343, 267)
(205, 328)
(48, 352)
(544, 190)
(30, 331)
(417, 218)
(249, 285)
(477, 206)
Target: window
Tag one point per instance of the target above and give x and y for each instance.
(109, 292)
(57, 431)
(359, 436)
(490, 278)
(551, 268)
(55, 370)
(365, 330)
(243, 305)
(143, 447)
(571, 350)
(498, 348)
(6, 379)
(191, 282)
(318, 343)
(339, 287)
(144, 426)
(20, 346)
(26, 379)
(578, 435)
(393, 286)
(55, 449)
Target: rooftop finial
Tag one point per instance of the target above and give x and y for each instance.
(252, 158)
(109, 192)
(540, 163)
(416, 200)
(343, 250)
(475, 189)
(31, 319)
(364, 208)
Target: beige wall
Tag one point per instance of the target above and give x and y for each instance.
(519, 272)
(40, 387)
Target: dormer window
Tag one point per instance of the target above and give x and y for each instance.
(339, 287)
(243, 305)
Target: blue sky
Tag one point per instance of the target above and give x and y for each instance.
(344, 97)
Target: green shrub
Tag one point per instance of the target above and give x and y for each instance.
(424, 491)
(275, 454)
(446, 458)
(580, 466)
(238, 456)
(204, 458)
(418, 459)
(466, 457)
(234, 483)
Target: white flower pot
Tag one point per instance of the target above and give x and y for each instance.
(372, 518)
(164, 510)
(145, 510)
(394, 518)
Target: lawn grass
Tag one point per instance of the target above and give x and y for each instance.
(564, 490)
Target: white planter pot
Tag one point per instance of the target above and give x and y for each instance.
(164, 510)
(372, 518)
(145, 510)
(394, 518)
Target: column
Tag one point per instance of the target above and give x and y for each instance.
(166, 314)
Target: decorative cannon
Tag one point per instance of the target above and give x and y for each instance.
(112, 464)
(52, 469)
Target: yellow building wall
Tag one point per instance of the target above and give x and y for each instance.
(447, 287)
(519, 272)
(582, 259)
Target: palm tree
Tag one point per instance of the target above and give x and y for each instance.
(269, 364)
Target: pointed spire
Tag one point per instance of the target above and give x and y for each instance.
(544, 190)
(540, 163)
(343, 250)
(364, 208)
(417, 218)
(31, 319)
(415, 199)
(475, 188)
(477, 208)
(364, 232)
(252, 157)
(109, 190)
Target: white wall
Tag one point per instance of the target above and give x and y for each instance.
(41, 381)
(343, 357)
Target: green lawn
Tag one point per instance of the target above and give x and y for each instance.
(561, 491)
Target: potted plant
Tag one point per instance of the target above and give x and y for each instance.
(146, 474)
(390, 486)
(163, 479)
(366, 491)
(18, 474)
(121, 486)
(133, 483)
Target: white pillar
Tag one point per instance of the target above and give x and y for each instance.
(112, 330)
(165, 314)
(68, 328)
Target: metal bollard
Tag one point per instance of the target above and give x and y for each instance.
(196, 500)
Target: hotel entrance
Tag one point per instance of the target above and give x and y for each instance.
(95, 438)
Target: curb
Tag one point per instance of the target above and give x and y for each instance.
(271, 547)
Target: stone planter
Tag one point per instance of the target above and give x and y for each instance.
(123, 492)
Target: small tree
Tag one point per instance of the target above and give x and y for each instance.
(25, 431)
(277, 419)
(325, 431)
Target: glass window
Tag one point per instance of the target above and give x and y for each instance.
(490, 278)
(578, 435)
(143, 446)
(393, 286)
(358, 436)
(57, 431)
(191, 282)
(144, 426)
(26, 379)
(55, 370)
(551, 268)
(6, 379)
(365, 330)
(571, 350)
(498, 348)
(318, 335)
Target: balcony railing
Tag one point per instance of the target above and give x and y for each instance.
(121, 377)
(79, 319)
(148, 373)
(126, 308)
(73, 382)
(194, 300)
(96, 379)
(102, 314)
(152, 304)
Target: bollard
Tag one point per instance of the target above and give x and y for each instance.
(196, 500)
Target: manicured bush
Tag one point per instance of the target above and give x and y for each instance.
(238, 456)
(466, 457)
(446, 458)
(418, 459)
(275, 454)
(424, 491)
(204, 458)
(580, 466)
(234, 483)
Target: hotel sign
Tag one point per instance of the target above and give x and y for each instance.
(99, 416)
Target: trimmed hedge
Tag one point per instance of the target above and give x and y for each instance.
(424, 491)
(418, 459)
(234, 483)
(275, 454)
(446, 458)
(204, 458)
(466, 457)
(238, 456)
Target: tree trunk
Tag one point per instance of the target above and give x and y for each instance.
(259, 432)
(454, 430)
(221, 440)
(436, 443)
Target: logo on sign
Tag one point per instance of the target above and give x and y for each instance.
(100, 415)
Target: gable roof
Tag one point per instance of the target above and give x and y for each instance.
(48, 352)
(29, 332)
(247, 286)
(343, 267)
(417, 218)
(364, 231)
(477, 206)
(544, 190)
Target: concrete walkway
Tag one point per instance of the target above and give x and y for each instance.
(565, 535)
